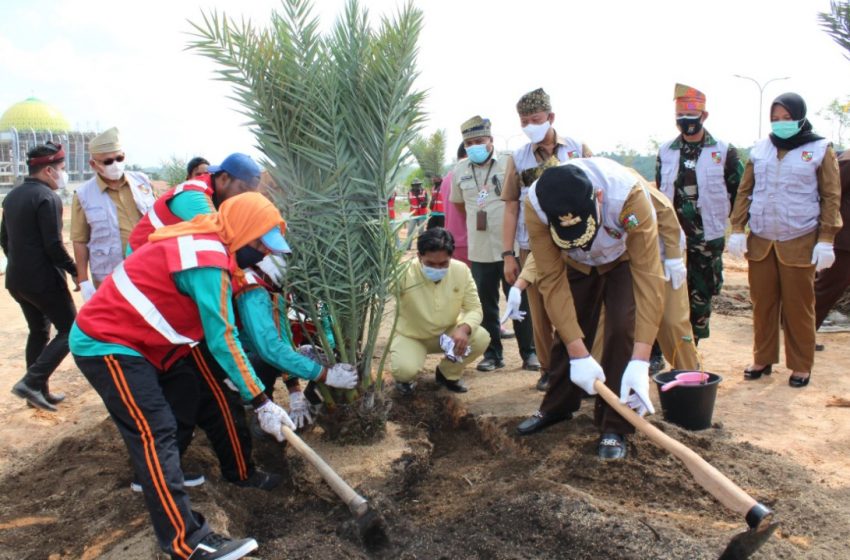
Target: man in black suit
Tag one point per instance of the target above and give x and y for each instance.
(31, 238)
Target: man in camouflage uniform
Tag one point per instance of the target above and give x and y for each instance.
(700, 175)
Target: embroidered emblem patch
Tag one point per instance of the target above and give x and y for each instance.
(715, 156)
(569, 220)
(807, 156)
(630, 222)
(572, 154)
(613, 233)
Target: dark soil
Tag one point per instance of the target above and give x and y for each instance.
(469, 489)
(733, 300)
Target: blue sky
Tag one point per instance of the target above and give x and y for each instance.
(610, 67)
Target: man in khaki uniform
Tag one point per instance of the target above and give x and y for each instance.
(674, 334)
(545, 148)
(476, 193)
(601, 214)
(105, 210)
(438, 301)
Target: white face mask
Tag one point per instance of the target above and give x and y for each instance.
(536, 132)
(114, 171)
(62, 181)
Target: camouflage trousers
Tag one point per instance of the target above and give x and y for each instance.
(705, 279)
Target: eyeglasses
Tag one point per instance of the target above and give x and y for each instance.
(110, 161)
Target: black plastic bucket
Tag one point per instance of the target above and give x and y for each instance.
(689, 406)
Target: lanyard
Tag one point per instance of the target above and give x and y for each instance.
(486, 177)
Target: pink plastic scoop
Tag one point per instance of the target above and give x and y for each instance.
(686, 378)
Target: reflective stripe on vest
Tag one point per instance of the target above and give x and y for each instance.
(155, 221)
(189, 248)
(145, 307)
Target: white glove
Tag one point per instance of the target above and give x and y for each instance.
(343, 376)
(584, 371)
(823, 256)
(636, 378)
(737, 245)
(272, 418)
(274, 266)
(514, 301)
(299, 409)
(87, 289)
(675, 272)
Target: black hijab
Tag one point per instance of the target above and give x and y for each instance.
(796, 107)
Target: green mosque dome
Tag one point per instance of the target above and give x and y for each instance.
(34, 114)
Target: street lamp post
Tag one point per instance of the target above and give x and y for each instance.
(761, 94)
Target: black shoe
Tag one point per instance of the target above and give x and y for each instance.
(538, 421)
(656, 364)
(455, 386)
(612, 447)
(52, 398)
(261, 480)
(531, 363)
(190, 480)
(756, 373)
(506, 335)
(218, 547)
(799, 382)
(543, 382)
(490, 364)
(819, 347)
(32, 396)
(405, 389)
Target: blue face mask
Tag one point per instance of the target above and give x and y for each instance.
(477, 153)
(434, 274)
(785, 129)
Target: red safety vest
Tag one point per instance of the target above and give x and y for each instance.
(139, 305)
(391, 207)
(437, 201)
(160, 215)
(418, 203)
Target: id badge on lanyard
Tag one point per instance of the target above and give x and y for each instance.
(481, 200)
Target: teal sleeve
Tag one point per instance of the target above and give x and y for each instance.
(82, 344)
(209, 288)
(274, 347)
(189, 204)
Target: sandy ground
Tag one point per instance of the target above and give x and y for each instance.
(764, 420)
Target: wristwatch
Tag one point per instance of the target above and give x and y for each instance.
(507, 253)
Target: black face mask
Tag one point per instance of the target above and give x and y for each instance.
(689, 125)
(248, 256)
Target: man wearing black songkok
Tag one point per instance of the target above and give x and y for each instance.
(31, 237)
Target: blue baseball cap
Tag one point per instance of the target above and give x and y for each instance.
(239, 166)
(275, 241)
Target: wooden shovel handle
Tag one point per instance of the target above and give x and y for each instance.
(727, 492)
(355, 502)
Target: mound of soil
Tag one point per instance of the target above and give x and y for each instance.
(460, 486)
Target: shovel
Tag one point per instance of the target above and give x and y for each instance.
(370, 524)
(758, 517)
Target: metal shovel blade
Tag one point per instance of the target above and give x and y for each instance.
(744, 545)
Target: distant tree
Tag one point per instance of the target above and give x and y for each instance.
(173, 171)
(836, 23)
(838, 113)
(429, 152)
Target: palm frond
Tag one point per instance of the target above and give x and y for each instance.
(836, 23)
(333, 115)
